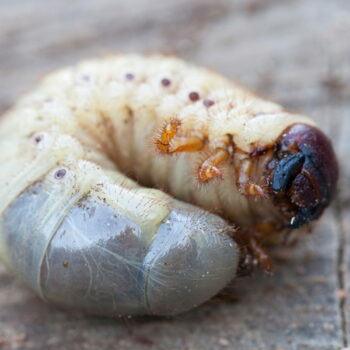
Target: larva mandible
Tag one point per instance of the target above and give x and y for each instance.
(82, 234)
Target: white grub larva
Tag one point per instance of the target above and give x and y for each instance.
(82, 234)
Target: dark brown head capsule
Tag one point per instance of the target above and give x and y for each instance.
(305, 173)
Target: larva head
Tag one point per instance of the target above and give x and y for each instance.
(305, 173)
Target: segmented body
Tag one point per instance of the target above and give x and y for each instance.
(71, 147)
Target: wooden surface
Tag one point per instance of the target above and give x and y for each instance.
(294, 52)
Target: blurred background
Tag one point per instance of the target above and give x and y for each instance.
(296, 52)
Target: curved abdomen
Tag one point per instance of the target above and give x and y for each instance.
(99, 260)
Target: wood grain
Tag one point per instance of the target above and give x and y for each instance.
(294, 52)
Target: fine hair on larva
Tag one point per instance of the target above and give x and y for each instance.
(137, 184)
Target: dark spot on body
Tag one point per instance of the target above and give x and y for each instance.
(65, 264)
(60, 174)
(193, 96)
(38, 138)
(165, 82)
(208, 103)
(129, 76)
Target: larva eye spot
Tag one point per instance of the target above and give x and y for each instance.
(305, 173)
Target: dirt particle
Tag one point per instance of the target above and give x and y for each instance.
(328, 327)
(341, 293)
(223, 342)
(21, 339)
(333, 84)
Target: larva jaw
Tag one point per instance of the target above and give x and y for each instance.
(305, 174)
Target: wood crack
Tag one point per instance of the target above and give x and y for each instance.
(341, 269)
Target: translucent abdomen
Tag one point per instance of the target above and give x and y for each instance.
(100, 261)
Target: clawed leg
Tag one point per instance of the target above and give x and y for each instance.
(169, 142)
(260, 254)
(249, 239)
(244, 185)
(167, 133)
(251, 189)
(186, 144)
(209, 169)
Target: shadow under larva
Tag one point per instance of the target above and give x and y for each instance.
(237, 172)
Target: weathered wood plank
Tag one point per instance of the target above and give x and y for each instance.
(294, 52)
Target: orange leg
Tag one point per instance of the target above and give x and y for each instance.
(186, 144)
(209, 169)
(260, 254)
(167, 133)
(249, 241)
(246, 187)
(252, 189)
(169, 142)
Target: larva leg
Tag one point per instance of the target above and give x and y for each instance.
(186, 144)
(244, 185)
(169, 142)
(210, 168)
(250, 240)
(260, 254)
(251, 189)
(167, 133)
